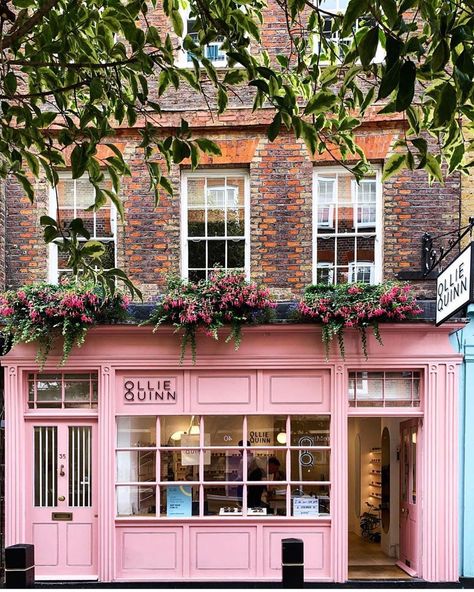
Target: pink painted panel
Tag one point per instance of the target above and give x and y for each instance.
(79, 544)
(46, 554)
(317, 550)
(149, 552)
(297, 391)
(220, 552)
(150, 393)
(223, 392)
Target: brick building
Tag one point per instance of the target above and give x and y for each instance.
(288, 219)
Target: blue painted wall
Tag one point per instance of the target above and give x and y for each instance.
(463, 341)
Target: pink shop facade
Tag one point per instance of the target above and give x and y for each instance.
(125, 465)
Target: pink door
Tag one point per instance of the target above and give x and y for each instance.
(408, 499)
(63, 502)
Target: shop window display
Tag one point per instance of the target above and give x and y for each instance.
(259, 465)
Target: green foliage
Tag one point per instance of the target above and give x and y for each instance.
(45, 313)
(74, 71)
(361, 306)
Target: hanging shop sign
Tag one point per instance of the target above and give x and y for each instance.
(454, 286)
(149, 390)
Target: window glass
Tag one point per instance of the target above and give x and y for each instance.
(345, 229)
(136, 465)
(310, 465)
(180, 465)
(266, 430)
(223, 465)
(62, 390)
(310, 430)
(135, 432)
(384, 389)
(310, 501)
(136, 500)
(174, 427)
(215, 224)
(212, 51)
(224, 429)
(179, 501)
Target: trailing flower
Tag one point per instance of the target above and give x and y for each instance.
(45, 312)
(224, 299)
(361, 306)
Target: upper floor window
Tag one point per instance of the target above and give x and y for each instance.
(347, 221)
(212, 51)
(62, 390)
(384, 389)
(72, 199)
(215, 222)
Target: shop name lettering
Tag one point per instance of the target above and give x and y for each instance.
(148, 390)
(260, 438)
(453, 286)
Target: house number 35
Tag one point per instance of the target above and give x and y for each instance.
(62, 456)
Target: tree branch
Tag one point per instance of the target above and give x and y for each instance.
(8, 40)
(46, 93)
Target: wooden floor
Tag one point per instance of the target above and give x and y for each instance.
(367, 561)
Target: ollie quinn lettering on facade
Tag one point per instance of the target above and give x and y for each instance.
(454, 286)
(149, 390)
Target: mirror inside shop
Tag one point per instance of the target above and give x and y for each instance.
(185, 466)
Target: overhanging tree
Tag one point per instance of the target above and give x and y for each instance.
(74, 70)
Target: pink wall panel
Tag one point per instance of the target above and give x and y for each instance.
(223, 552)
(149, 552)
(297, 391)
(316, 549)
(225, 392)
(45, 540)
(79, 544)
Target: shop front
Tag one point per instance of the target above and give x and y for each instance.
(126, 466)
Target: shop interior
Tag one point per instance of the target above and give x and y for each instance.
(374, 498)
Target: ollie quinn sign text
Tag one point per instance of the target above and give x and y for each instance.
(454, 286)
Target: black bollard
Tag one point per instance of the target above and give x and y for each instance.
(292, 563)
(20, 566)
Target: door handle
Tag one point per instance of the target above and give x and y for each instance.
(61, 471)
(61, 498)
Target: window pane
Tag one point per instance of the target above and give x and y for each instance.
(174, 427)
(136, 431)
(325, 202)
(179, 501)
(224, 430)
(65, 192)
(196, 191)
(136, 466)
(85, 194)
(235, 254)
(310, 465)
(216, 192)
(236, 222)
(345, 211)
(215, 222)
(136, 500)
(46, 468)
(310, 430)
(235, 191)
(266, 465)
(266, 430)
(216, 253)
(196, 223)
(196, 275)
(225, 500)
(197, 253)
(223, 465)
(48, 387)
(180, 465)
(103, 226)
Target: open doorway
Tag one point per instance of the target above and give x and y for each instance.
(382, 498)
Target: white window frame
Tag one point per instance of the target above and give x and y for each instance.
(335, 38)
(182, 58)
(53, 272)
(320, 232)
(359, 204)
(328, 266)
(329, 223)
(354, 268)
(185, 175)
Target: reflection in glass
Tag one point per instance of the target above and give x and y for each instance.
(224, 465)
(235, 254)
(216, 253)
(136, 465)
(180, 465)
(197, 253)
(310, 430)
(136, 431)
(224, 430)
(224, 500)
(263, 430)
(136, 500)
(174, 427)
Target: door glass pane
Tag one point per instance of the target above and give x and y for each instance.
(80, 466)
(406, 466)
(46, 469)
(413, 460)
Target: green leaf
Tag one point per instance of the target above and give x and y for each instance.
(321, 102)
(456, 158)
(222, 100)
(50, 234)
(433, 167)
(234, 77)
(208, 146)
(27, 186)
(10, 83)
(96, 89)
(406, 87)
(354, 10)
(446, 106)
(78, 161)
(393, 165)
(440, 56)
(33, 163)
(48, 221)
(274, 127)
(368, 46)
(177, 22)
(93, 249)
(390, 9)
(389, 81)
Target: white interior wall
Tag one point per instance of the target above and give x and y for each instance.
(390, 540)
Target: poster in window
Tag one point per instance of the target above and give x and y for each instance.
(305, 506)
(179, 501)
